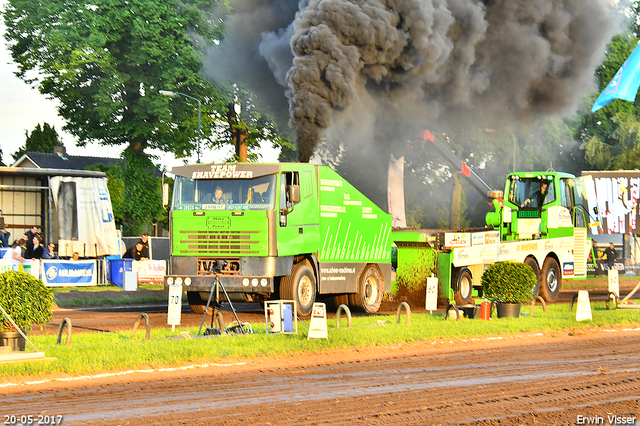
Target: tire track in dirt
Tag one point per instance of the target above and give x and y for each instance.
(424, 383)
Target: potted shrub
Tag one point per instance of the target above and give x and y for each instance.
(508, 283)
(27, 301)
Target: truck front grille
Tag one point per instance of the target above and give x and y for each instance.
(219, 242)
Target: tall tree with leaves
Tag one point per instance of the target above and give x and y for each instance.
(106, 63)
(41, 139)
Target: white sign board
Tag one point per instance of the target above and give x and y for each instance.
(318, 325)
(432, 294)
(150, 271)
(175, 305)
(614, 284)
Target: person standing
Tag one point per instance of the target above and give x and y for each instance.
(610, 254)
(29, 241)
(144, 240)
(4, 234)
(597, 259)
(37, 249)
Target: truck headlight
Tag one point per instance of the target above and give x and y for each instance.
(245, 282)
(187, 281)
(263, 282)
(254, 282)
(179, 281)
(170, 281)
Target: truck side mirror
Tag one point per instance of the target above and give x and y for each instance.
(165, 194)
(294, 193)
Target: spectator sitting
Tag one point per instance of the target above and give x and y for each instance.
(75, 256)
(49, 252)
(14, 253)
(135, 252)
(4, 234)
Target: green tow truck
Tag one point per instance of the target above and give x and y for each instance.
(287, 231)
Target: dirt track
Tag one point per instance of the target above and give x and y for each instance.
(550, 378)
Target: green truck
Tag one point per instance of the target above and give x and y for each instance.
(540, 219)
(288, 231)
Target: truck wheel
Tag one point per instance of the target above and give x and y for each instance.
(530, 261)
(301, 287)
(463, 294)
(196, 302)
(551, 280)
(370, 287)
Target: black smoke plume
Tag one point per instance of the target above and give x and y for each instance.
(411, 61)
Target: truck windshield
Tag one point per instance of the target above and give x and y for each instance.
(532, 193)
(224, 194)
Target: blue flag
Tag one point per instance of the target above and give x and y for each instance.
(625, 83)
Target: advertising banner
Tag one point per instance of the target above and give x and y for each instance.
(396, 192)
(613, 201)
(150, 271)
(85, 216)
(60, 273)
(30, 266)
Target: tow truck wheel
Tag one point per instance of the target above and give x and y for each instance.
(196, 302)
(550, 280)
(370, 288)
(463, 294)
(534, 265)
(301, 287)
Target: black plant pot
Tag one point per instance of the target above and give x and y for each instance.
(12, 339)
(508, 310)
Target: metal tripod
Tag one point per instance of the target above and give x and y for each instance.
(217, 284)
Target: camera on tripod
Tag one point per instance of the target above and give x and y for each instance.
(218, 265)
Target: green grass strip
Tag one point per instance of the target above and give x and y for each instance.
(104, 352)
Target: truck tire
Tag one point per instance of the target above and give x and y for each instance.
(464, 289)
(550, 280)
(370, 288)
(530, 261)
(301, 287)
(196, 302)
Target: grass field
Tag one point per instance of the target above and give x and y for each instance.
(102, 352)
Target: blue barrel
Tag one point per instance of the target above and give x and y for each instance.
(118, 266)
(108, 260)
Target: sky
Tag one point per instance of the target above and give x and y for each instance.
(23, 107)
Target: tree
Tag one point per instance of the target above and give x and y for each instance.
(41, 139)
(106, 63)
(244, 125)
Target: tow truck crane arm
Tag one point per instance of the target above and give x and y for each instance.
(458, 165)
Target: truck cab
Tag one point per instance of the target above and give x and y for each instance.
(539, 205)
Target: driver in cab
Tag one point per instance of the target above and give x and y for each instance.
(539, 197)
(218, 196)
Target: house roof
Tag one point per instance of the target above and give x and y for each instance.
(44, 160)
